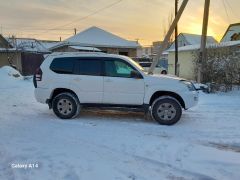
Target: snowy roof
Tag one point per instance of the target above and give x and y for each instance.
(196, 39)
(232, 29)
(191, 39)
(85, 48)
(8, 49)
(97, 37)
(197, 46)
(27, 44)
(49, 44)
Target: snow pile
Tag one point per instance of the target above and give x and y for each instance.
(9, 71)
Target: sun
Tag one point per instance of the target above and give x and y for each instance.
(196, 28)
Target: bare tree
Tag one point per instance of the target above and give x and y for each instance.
(167, 24)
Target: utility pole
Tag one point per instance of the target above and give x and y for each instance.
(203, 52)
(75, 31)
(167, 37)
(176, 39)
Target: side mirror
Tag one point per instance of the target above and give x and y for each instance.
(136, 75)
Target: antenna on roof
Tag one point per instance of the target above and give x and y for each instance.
(75, 31)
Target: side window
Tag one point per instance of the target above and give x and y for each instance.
(90, 67)
(62, 65)
(118, 68)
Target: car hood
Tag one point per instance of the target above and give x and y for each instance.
(166, 79)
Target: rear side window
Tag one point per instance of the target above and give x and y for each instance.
(92, 67)
(63, 65)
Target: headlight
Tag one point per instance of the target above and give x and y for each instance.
(189, 85)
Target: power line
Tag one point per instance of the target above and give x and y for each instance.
(230, 6)
(85, 17)
(35, 29)
(225, 7)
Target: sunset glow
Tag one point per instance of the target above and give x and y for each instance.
(134, 20)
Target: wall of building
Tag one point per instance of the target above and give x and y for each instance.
(14, 57)
(131, 52)
(185, 64)
(30, 62)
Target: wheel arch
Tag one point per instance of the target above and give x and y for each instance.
(57, 91)
(158, 94)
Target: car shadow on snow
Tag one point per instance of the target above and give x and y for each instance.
(113, 115)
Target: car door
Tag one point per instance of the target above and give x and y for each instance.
(119, 86)
(89, 81)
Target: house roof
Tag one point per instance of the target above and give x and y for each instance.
(196, 39)
(197, 46)
(4, 43)
(193, 39)
(232, 29)
(8, 49)
(85, 48)
(27, 44)
(48, 44)
(97, 37)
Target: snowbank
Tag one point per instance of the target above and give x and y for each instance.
(7, 71)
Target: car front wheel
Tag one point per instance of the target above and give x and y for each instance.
(66, 105)
(166, 110)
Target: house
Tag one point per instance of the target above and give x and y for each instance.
(24, 54)
(8, 54)
(187, 58)
(185, 39)
(47, 44)
(146, 52)
(96, 39)
(232, 33)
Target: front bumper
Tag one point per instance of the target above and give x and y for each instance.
(190, 98)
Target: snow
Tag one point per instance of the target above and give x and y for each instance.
(196, 39)
(85, 48)
(97, 37)
(27, 44)
(214, 45)
(49, 44)
(205, 144)
(7, 49)
(185, 39)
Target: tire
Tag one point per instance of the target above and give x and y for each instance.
(166, 110)
(66, 105)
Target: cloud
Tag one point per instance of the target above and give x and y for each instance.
(143, 19)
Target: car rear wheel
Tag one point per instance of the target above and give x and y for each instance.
(166, 110)
(66, 105)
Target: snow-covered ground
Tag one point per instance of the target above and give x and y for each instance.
(205, 144)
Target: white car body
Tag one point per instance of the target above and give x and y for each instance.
(111, 90)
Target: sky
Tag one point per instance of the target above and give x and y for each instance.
(142, 20)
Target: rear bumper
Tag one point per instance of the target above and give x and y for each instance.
(190, 99)
(42, 95)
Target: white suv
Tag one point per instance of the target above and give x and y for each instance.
(68, 81)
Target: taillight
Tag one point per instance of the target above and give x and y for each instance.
(38, 74)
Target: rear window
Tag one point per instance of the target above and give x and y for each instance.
(63, 65)
(90, 67)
